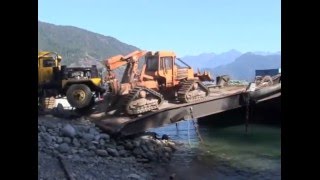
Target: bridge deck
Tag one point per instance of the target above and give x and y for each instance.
(219, 100)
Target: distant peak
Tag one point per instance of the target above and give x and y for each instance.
(265, 53)
(250, 53)
(234, 51)
(231, 53)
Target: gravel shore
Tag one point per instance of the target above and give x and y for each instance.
(76, 149)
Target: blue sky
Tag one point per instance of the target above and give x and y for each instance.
(188, 27)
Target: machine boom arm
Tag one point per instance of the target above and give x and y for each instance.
(115, 62)
(119, 60)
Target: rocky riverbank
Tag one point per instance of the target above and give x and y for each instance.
(76, 149)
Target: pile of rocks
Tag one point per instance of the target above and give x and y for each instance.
(75, 140)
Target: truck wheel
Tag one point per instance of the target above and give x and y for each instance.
(79, 95)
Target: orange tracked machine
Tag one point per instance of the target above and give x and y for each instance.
(161, 77)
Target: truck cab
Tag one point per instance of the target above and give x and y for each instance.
(47, 62)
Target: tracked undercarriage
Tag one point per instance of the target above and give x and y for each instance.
(191, 91)
(141, 99)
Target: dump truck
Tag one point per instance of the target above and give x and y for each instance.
(80, 85)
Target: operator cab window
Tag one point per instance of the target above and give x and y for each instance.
(166, 62)
(152, 64)
(49, 63)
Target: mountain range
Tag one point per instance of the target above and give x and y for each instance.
(211, 59)
(80, 47)
(243, 67)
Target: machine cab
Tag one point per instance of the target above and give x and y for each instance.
(168, 69)
(47, 62)
(161, 65)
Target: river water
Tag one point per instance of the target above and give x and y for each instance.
(227, 150)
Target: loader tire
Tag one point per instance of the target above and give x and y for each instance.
(79, 96)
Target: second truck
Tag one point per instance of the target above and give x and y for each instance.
(79, 84)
